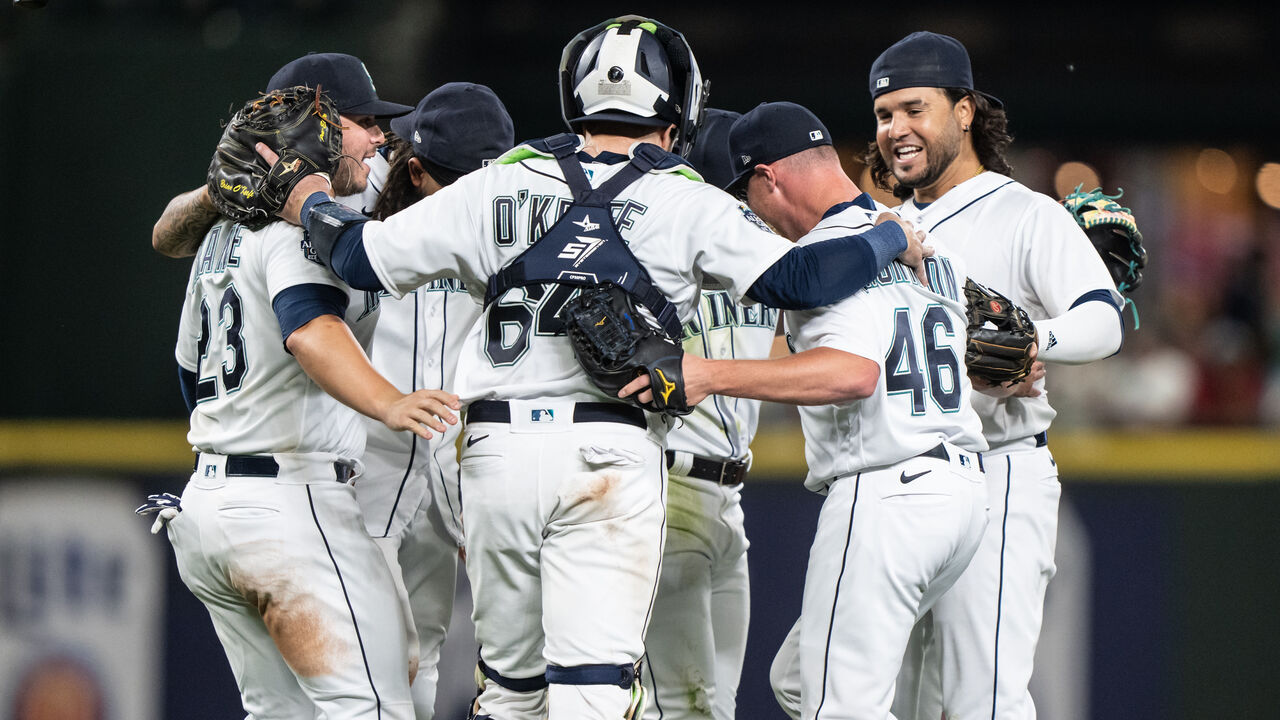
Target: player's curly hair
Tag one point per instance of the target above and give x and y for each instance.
(399, 192)
(991, 139)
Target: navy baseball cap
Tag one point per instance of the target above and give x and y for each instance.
(770, 132)
(710, 153)
(458, 126)
(343, 77)
(924, 59)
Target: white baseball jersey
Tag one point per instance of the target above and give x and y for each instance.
(474, 227)
(252, 396)
(722, 427)
(922, 394)
(1027, 246)
(415, 346)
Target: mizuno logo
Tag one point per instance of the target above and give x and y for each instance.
(667, 386)
(586, 224)
(905, 478)
(581, 250)
(473, 440)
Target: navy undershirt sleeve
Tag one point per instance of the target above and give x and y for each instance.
(300, 304)
(187, 383)
(810, 276)
(348, 260)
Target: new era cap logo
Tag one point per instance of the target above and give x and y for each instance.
(746, 159)
(882, 82)
(417, 136)
(815, 135)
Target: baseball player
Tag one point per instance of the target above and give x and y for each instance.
(890, 436)
(565, 486)
(270, 536)
(941, 143)
(410, 495)
(698, 638)
(188, 216)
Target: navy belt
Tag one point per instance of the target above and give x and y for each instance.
(1042, 438)
(940, 453)
(727, 472)
(266, 466)
(499, 411)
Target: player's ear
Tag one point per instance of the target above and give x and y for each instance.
(965, 111)
(417, 173)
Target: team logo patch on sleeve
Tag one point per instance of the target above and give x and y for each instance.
(754, 219)
(309, 252)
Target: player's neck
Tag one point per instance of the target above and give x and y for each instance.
(620, 144)
(964, 167)
(832, 187)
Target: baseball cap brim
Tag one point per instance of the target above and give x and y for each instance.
(378, 109)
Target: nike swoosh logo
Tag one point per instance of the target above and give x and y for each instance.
(473, 440)
(905, 478)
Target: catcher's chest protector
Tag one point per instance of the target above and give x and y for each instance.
(583, 247)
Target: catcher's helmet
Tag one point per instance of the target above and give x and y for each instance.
(633, 70)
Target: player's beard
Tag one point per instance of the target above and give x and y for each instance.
(940, 152)
(349, 179)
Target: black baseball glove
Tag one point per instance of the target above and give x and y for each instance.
(615, 341)
(1113, 232)
(300, 124)
(1000, 337)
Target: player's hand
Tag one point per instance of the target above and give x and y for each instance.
(1025, 388)
(313, 183)
(913, 257)
(422, 409)
(697, 375)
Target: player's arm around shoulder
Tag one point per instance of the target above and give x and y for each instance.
(183, 223)
(331, 356)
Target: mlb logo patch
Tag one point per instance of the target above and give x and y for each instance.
(815, 135)
(542, 415)
(882, 82)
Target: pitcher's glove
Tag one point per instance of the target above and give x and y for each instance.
(1000, 337)
(1114, 233)
(300, 124)
(615, 340)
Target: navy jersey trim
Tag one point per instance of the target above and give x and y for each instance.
(835, 599)
(864, 201)
(1004, 529)
(298, 305)
(346, 597)
(1099, 295)
(969, 204)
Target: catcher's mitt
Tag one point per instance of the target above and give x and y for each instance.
(300, 124)
(616, 341)
(1113, 232)
(1000, 337)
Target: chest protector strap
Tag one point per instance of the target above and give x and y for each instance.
(583, 247)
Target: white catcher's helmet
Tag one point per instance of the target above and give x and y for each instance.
(633, 70)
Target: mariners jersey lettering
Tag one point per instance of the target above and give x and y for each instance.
(722, 427)
(473, 228)
(1025, 245)
(252, 396)
(916, 335)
